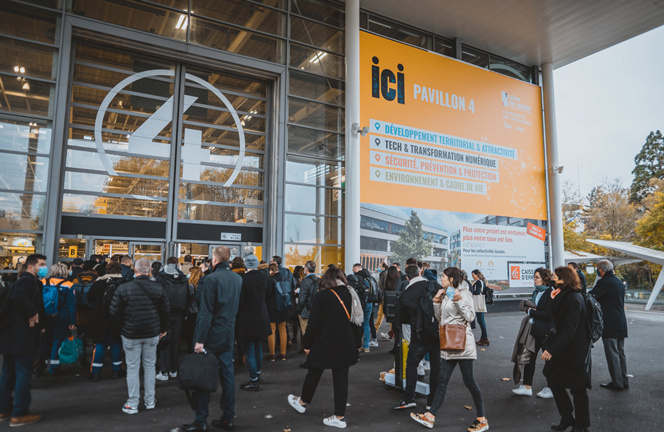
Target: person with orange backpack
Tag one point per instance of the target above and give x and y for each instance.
(61, 314)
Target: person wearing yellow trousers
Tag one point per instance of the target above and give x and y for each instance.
(277, 318)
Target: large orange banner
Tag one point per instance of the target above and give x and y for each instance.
(446, 135)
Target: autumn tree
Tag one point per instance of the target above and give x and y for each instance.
(411, 242)
(572, 209)
(609, 214)
(650, 228)
(649, 165)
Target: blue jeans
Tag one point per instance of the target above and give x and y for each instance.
(254, 357)
(16, 377)
(367, 324)
(227, 403)
(482, 323)
(100, 352)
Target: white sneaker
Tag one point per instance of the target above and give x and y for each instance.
(425, 365)
(162, 376)
(546, 393)
(335, 422)
(173, 374)
(522, 391)
(373, 343)
(420, 371)
(151, 406)
(129, 410)
(294, 401)
(386, 336)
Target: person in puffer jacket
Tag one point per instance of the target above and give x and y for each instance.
(140, 309)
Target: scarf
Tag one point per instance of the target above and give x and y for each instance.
(538, 289)
(356, 311)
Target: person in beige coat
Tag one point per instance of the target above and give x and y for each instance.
(454, 305)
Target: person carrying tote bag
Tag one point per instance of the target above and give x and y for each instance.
(453, 306)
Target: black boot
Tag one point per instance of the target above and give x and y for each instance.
(564, 424)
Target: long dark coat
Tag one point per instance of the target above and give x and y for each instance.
(252, 322)
(610, 293)
(330, 336)
(99, 324)
(570, 349)
(542, 322)
(26, 301)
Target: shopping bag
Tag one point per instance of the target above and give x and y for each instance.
(71, 349)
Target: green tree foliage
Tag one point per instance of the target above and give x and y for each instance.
(649, 164)
(411, 242)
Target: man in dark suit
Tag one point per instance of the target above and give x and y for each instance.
(610, 293)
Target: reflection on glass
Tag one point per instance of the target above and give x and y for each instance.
(315, 115)
(220, 194)
(397, 31)
(25, 96)
(29, 23)
(315, 142)
(308, 199)
(316, 87)
(319, 10)
(136, 206)
(321, 255)
(23, 136)
(209, 212)
(21, 211)
(317, 61)
(311, 171)
(14, 249)
(100, 183)
(319, 35)
(71, 248)
(23, 172)
(244, 14)
(27, 59)
(314, 229)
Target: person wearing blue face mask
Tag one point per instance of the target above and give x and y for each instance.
(541, 325)
(18, 343)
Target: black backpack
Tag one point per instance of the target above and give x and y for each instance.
(374, 294)
(6, 316)
(488, 295)
(595, 317)
(109, 292)
(427, 323)
(177, 290)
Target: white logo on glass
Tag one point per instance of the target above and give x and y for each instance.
(141, 141)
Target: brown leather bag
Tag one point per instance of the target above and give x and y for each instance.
(453, 337)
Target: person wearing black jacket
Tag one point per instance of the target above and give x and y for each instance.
(610, 293)
(567, 355)
(140, 309)
(541, 325)
(582, 278)
(421, 342)
(18, 343)
(100, 329)
(308, 288)
(252, 323)
(331, 342)
(176, 286)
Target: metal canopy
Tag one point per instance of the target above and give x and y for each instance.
(532, 32)
(646, 254)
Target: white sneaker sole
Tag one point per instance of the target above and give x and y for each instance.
(130, 410)
(294, 401)
(485, 428)
(334, 423)
(420, 421)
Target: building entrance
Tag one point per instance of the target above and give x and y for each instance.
(163, 151)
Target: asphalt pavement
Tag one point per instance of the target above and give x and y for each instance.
(70, 402)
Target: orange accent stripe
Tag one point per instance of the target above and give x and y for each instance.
(93, 357)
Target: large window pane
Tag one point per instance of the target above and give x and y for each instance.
(444, 46)
(397, 31)
(243, 14)
(23, 172)
(208, 212)
(319, 10)
(101, 183)
(14, 248)
(26, 96)
(24, 136)
(121, 164)
(321, 255)
(316, 87)
(28, 23)
(314, 229)
(476, 57)
(317, 61)
(311, 171)
(315, 142)
(21, 211)
(308, 199)
(236, 40)
(318, 35)
(138, 206)
(220, 194)
(312, 114)
(27, 59)
(137, 15)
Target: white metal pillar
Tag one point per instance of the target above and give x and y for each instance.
(352, 200)
(553, 169)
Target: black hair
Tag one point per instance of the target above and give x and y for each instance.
(574, 265)
(411, 261)
(455, 274)
(171, 260)
(412, 271)
(33, 259)
(277, 259)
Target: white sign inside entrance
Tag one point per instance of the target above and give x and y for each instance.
(142, 143)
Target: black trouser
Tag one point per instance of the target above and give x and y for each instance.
(168, 356)
(581, 407)
(416, 353)
(529, 369)
(339, 382)
(372, 321)
(446, 369)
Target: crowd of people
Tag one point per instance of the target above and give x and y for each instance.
(144, 313)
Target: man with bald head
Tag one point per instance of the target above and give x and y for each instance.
(215, 331)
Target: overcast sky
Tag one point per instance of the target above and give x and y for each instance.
(606, 105)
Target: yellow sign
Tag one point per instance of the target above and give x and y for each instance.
(446, 135)
(73, 251)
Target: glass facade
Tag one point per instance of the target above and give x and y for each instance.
(136, 142)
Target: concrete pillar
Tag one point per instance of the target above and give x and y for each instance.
(553, 169)
(352, 201)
